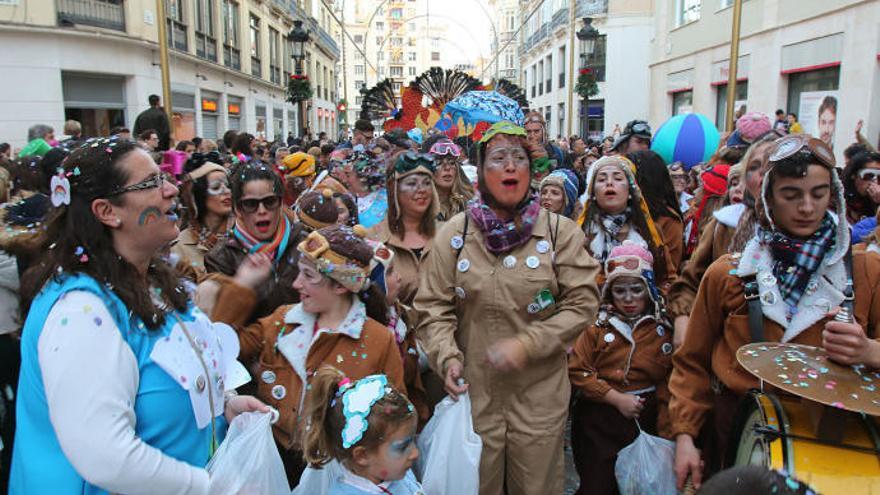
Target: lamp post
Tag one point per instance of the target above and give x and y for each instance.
(587, 40)
(299, 37)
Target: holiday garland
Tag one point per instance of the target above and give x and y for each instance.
(298, 88)
(586, 86)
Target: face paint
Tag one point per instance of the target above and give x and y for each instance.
(149, 215)
(628, 292)
(401, 448)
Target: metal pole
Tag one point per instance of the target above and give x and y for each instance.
(344, 68)
(572, 19)
(302, 113)
(734, 62)
(163, 62)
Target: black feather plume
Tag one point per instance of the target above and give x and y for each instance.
(379, 102)
(441, 85)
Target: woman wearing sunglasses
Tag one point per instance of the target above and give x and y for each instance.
(210, 202)
(453, 188)
(861, 182)
(107, 401)
(796, 268)
(504, 292)
(262, 225)
(410, 225)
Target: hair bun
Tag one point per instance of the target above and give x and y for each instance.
(327, 193)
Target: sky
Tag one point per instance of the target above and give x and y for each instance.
(470, 32)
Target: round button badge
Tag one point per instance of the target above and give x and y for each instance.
(456, 242)
(533, 262)
(464, 265)
(609, 337)
(279, 392)
(542, 247)
(509, 261)
(268, 376)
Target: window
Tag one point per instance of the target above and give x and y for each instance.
(682, 102)
(810, 91)
(411, 56)
(380, 55)
(206, 43)
(548, 75)
(412, 71)
(381, 71)
(359, 38)
(396, 71)
(176, 26)
(380, 26)
(687, 11)
(396, 42)
(597, 60)
(256, 67)
(358, 84)
(358, 100)
(742, 92)
(359, 70)
(508, 60)
(396, 85)
(560, 116)
(411, 26)
(562, 60)
(511, 21)
(380, 41)
(725, 3)
(274, 53)
(231, 51)
(435, 56)
(539, 76)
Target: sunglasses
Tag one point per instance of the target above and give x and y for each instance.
(445, 148)
(870, 175)
(251, 205)
(153, 182)
(793, 144)
(218, 187)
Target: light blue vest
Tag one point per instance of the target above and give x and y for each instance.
(164, 416)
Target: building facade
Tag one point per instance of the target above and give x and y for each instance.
(96, 61)
(390, 39)
(505, 20)
(619, 62)
(801, 56)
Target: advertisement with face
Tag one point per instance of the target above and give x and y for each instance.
(818, 114)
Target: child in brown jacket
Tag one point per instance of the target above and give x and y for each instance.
(619, 367)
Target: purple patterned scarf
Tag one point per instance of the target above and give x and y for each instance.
(502, 236)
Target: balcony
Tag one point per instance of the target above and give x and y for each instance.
(108, 14)
(560, 18)
(587, 8)
(256, 67)
(323, 39)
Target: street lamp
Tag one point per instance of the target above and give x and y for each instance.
(298, 38)
(587, 37)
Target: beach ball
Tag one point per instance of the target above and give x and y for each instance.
(690, 139)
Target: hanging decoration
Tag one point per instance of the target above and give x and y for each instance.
(586, 86)
(298, 88)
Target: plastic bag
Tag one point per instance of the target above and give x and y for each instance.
(247, 462)
(450, 450)
(646, 466)
(317, 481)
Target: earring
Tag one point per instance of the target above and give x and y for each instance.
(118, 221)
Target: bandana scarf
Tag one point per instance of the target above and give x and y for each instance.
(610, 228)
(502, 236)
(796, 261)
(274, 247)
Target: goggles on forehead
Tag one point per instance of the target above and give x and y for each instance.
(441, 148)
(675, 167)
(641, 128)
(627, 263)
(793, 144)
(411, 160)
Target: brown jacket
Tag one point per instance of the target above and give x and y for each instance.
(406, 263)
(611, 355)
(191, 253)
(363, 348)
(719, 326)
(712, 245)
(672, 232)
(277, 291)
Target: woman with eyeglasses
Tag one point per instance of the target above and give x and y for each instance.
(796, 267)
(861, 182)
(262, 225)
(453, 188)
(410, 224)
(108, 400)
(504, 293)
(211, 199)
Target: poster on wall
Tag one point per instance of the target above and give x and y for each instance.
(817, 114)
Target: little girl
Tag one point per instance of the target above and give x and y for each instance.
(619, 367)
(369, 427)
(340, 321)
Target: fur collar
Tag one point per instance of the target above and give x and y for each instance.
(730, 214)
(823, 292)
(622, 327)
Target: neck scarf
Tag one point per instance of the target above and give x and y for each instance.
(795, 261)
(610, 227)
(500, 235)
(274, 247)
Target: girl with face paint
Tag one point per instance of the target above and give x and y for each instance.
(797, 260)
(619, 366)
(506, 264)
(368, 427)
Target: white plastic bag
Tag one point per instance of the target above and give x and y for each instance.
(645, 467)
(247, 462)
(450, 450)
(317, 481)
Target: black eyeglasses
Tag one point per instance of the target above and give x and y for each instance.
(153, 182)
(250, 205)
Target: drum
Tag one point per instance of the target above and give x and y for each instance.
(779, 433)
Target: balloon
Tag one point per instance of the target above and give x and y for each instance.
(690, 139)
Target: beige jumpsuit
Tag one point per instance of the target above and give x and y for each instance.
(468, 302)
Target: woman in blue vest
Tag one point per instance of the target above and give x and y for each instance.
(124, 386)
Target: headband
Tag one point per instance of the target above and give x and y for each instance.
(502, 127)
(357, 401)
(347, 272)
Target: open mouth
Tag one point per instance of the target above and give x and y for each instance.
(511, 183)
(171, 213)
(263, 225)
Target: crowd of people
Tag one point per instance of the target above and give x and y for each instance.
(361, 281)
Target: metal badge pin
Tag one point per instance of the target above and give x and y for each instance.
(509, 261)
(278, 392)
(533, 308)
(542, 247)
(666, 348)
(768, 298)
(609, 337)
(460, 292)
(533, 262)
(456, 242)
(268, 376)
(464, 265)
(201, 383)
(660, 331)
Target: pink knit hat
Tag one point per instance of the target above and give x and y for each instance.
(753, 125)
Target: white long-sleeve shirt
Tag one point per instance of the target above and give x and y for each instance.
(91, 380)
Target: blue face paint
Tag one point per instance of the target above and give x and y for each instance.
(402, 447)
